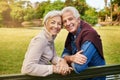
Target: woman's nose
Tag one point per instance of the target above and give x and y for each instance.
(56, 25)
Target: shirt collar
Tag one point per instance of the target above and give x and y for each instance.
(78, 31)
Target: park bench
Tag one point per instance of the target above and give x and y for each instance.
(111, 71)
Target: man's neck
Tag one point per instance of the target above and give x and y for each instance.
(75, 33)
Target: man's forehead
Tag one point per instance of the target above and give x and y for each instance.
(67, 13)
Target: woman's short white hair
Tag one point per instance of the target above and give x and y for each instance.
(72, 9)
(51, 14)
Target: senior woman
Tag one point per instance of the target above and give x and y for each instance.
(41, 58)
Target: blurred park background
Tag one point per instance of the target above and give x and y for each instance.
(21, 20)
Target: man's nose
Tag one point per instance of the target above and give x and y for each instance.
(68, 23)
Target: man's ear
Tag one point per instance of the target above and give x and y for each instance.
(79, 19)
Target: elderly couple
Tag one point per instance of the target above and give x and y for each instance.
(83, 47)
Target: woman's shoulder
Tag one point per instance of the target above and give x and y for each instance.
(39, 38)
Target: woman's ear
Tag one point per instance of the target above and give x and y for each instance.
(44, 24)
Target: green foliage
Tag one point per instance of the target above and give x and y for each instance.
(4, 11)
(90, 16)
(90, 19)
(111, 11)
(40, 10)
(19, 10)
(91, 12)
(17, 14)
(28, 14)
(81, 6)
(101, 14)
(1, 18)
(116, 2)
(3, 5)
(57, 5)
(68, 2)
(46, 6)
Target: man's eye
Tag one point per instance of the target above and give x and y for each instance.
(64, 21)
(52, 22)
(70, 19)
(59, 24)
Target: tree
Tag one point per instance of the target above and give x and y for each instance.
(28, 14)
(116, 2)
(81, 6)
(4, 12)
(90, 16)
(68, 3)
(40, 10)
(56, 5)
(116, 8)
(17, 12)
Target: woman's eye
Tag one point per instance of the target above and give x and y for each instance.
(52, 22)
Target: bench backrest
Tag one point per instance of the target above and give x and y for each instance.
(88, 73)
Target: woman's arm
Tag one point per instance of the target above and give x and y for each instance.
(32, 57)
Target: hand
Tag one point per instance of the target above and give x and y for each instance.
(65, 72)
(78, 58)
(62, 68)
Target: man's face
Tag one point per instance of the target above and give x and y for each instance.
(70, 22)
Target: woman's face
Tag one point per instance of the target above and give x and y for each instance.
(54, 25)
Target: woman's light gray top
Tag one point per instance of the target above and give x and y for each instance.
(40, 54)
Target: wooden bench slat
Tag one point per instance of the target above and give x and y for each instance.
(88, 73)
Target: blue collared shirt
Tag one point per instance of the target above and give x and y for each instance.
(74, 48)
(89, 50)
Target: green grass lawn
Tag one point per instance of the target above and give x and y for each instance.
(14, 42)
(111, 43)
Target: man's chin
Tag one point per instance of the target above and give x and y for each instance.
(55, 33)
(72, 31)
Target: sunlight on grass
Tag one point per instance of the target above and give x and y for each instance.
(14, 43)
(111, 44)
(60, 40)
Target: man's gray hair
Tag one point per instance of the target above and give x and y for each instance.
(72, 9)
(51, 14)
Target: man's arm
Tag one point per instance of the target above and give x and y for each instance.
(76, 58)
(88, 50)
